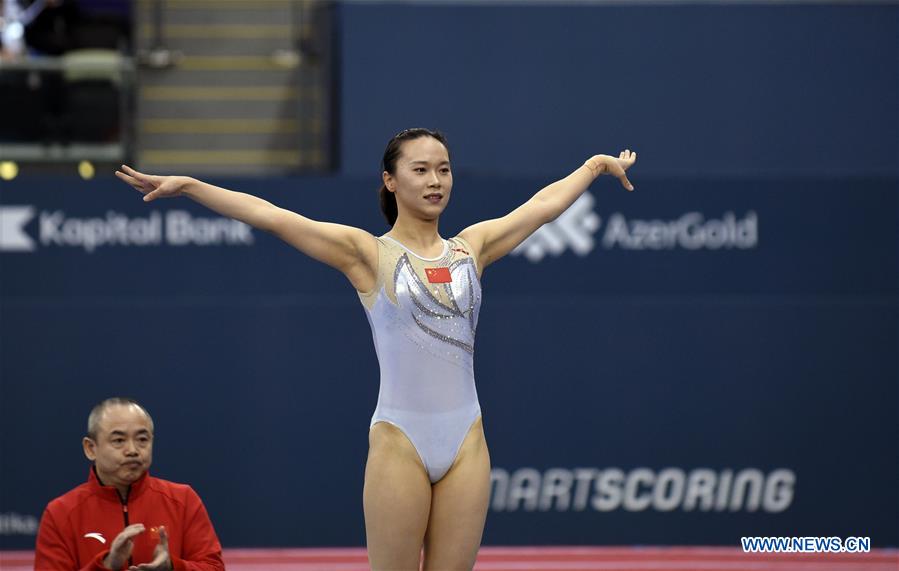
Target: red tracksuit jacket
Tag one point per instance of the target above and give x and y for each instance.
(77, 528)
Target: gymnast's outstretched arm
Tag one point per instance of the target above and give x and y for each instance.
(493, 239)
(350, 250)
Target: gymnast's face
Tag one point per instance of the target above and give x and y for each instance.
(122, 448)
(422, 180)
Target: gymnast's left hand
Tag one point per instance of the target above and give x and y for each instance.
(162, 561)
(605, 164)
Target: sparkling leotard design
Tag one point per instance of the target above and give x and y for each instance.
(424, 339)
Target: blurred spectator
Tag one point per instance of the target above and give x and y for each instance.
(62, 104)
(54, 27)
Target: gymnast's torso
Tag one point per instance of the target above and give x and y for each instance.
(423, 315)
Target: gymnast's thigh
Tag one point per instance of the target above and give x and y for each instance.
(459, 507)
(396, 499)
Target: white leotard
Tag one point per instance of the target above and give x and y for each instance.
(424, 338)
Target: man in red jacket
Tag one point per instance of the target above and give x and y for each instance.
(123, 518)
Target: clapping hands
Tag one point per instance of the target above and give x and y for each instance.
(123, 544)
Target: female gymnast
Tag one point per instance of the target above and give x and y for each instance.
(427, 477)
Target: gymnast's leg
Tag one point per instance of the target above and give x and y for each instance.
(459, 507)
(396, 499)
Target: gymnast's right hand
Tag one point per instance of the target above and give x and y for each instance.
(152, 186)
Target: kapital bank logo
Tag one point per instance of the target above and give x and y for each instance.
(13, 237)
(171, 228)
(576, 227)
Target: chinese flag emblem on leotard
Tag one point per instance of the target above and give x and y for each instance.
(438, 275)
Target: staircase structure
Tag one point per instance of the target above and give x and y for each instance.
(234, 87)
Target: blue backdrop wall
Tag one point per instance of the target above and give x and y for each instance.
(714, 355)
(713, 89)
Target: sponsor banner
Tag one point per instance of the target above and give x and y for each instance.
(176, 228)
(18, 524)
(641, 489)
(668, 237)
(577, 229)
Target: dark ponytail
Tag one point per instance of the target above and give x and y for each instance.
(388, 163)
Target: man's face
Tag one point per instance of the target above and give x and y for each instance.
(123, 449)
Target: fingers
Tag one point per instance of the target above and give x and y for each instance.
(124, 177)
(163, 546)
(620, 174)
(122, 544)
(149, 195)
(164, 538)
(138, 175)
(159, 562)
(626, 160)
(130, 531)
(161, 555)
(147, 184)
(130, 180)
(135, 184)
(142, 182)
